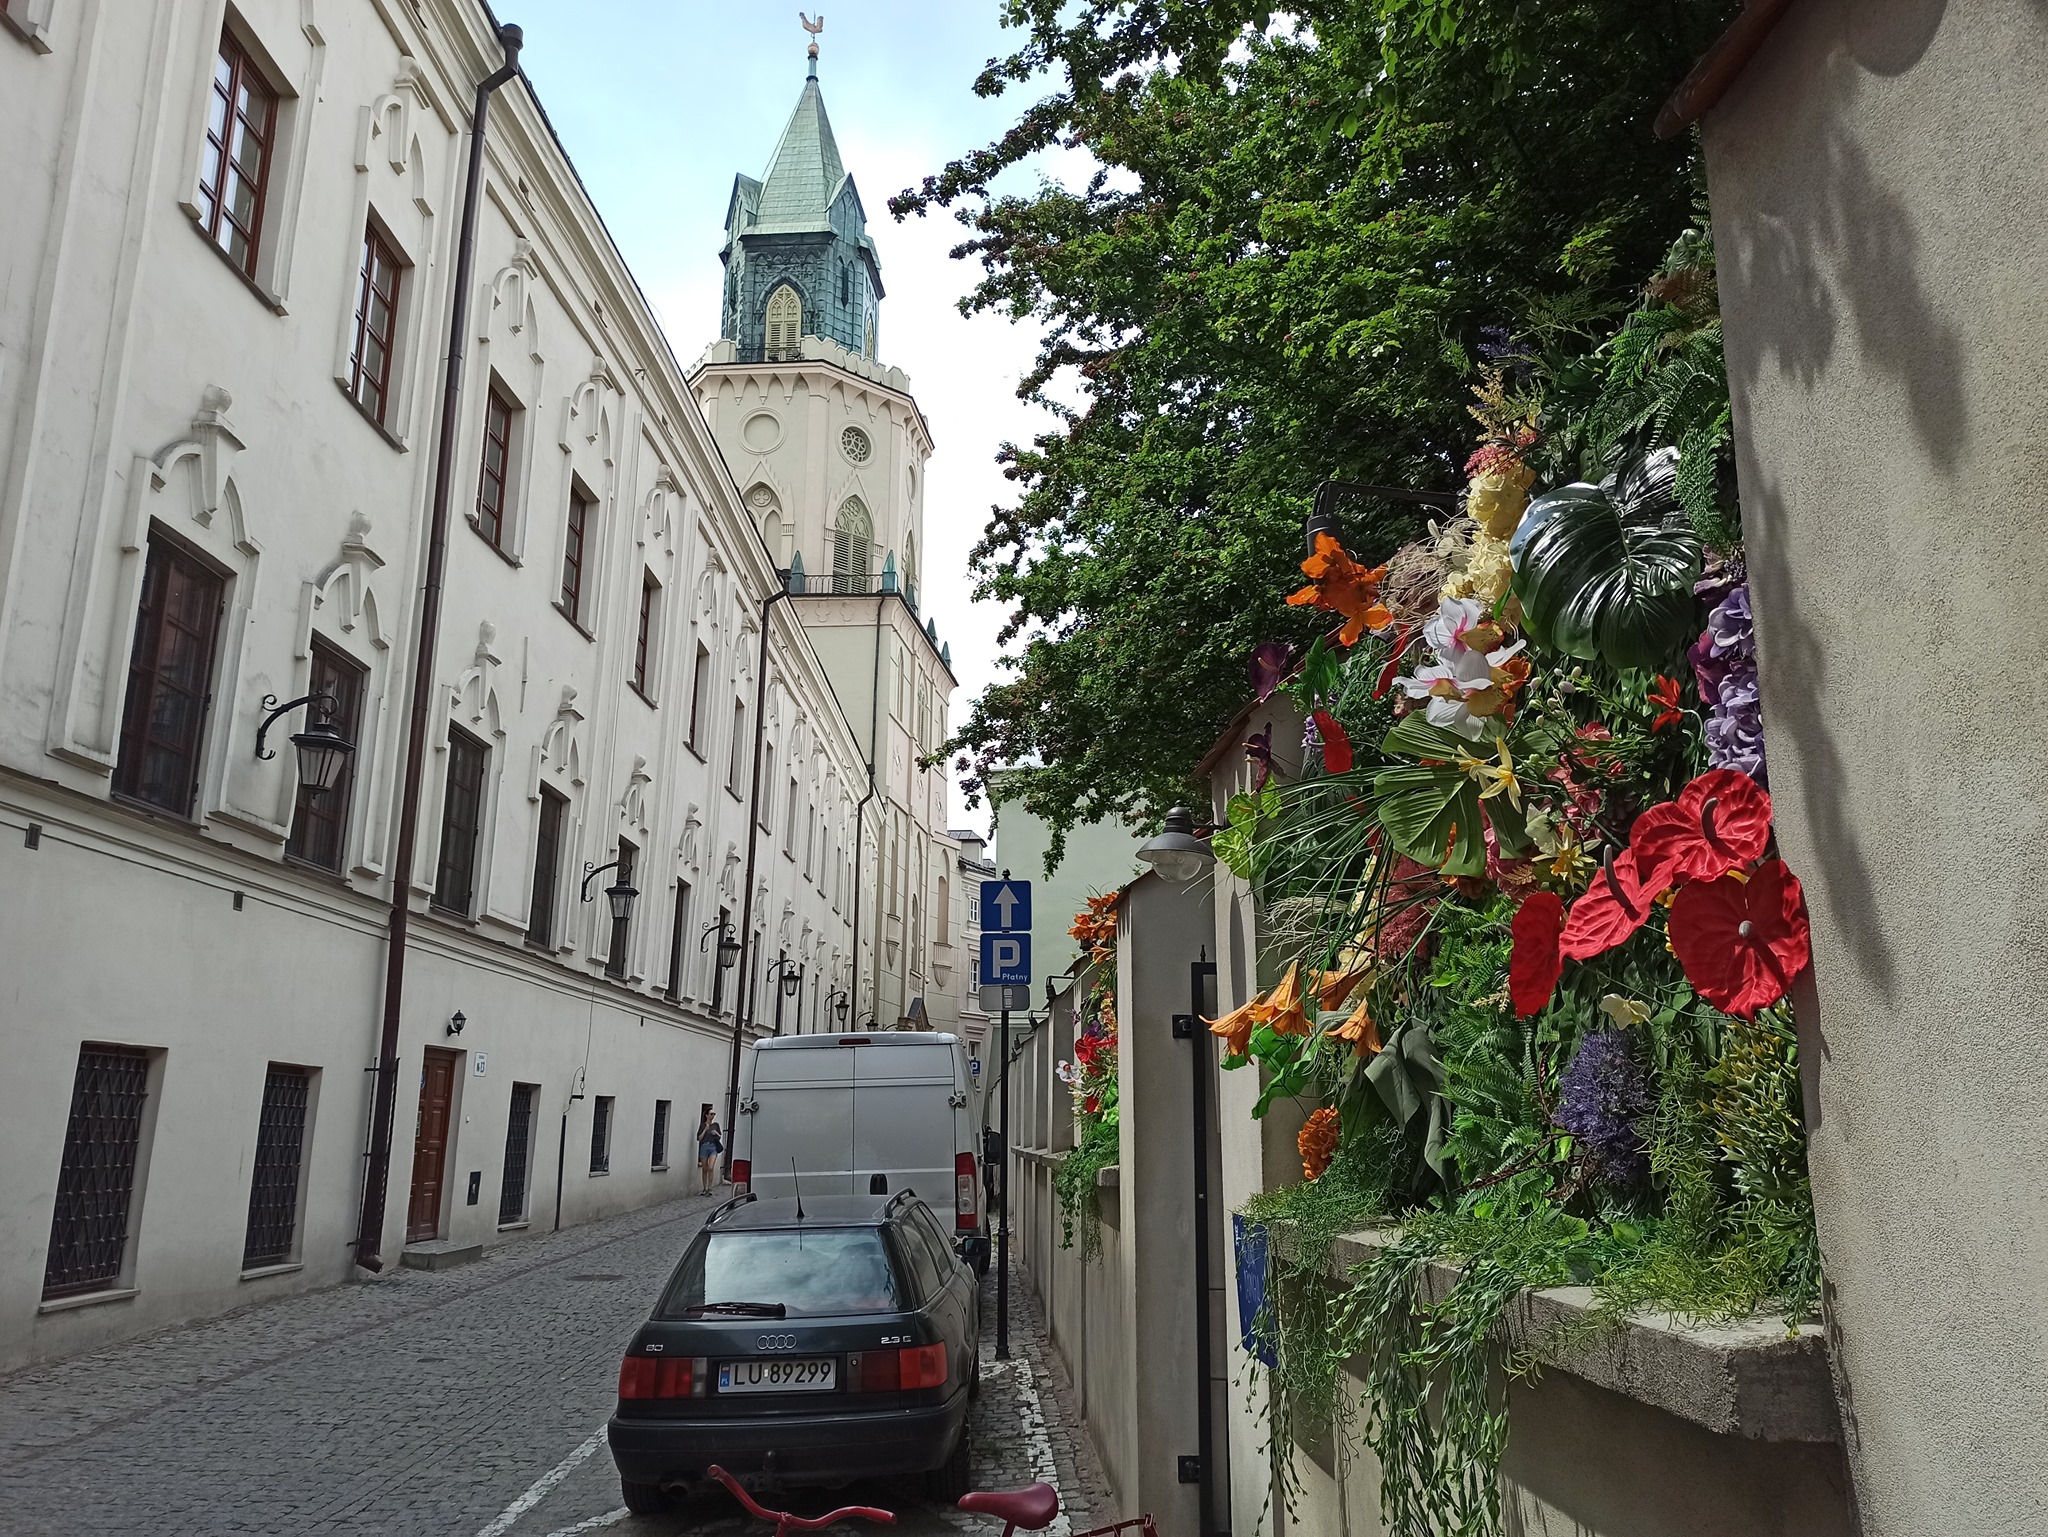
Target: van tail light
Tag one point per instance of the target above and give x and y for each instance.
(742, 1175)
(893, 1371)
(664, 1377)
(964, 1193)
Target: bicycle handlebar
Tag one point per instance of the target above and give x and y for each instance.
(786, 1522)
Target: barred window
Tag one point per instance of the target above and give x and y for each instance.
(274, 1191)
(661, 1133)
(96, 1184)
(601, 1135)
(518, 1154)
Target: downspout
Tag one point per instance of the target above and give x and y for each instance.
(860, 811)
(742, 1003)
(370, 1230)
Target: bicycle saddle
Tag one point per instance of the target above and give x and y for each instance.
(1031, 1507)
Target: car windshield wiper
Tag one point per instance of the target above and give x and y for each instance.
(744, 1309)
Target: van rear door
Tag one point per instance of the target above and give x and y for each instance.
(805, 1112)
(903, 1118)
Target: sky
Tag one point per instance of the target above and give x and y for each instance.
(660, 102)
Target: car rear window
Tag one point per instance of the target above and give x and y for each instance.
(810, 1272)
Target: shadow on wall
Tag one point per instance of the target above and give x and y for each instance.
(1795, 659)
(1835, 245)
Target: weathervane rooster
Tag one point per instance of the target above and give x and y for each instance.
(814, 28)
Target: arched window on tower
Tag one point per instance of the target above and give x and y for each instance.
(845, 283)
(910, 568)
(785, 323)
(870, 352)
(853, 547)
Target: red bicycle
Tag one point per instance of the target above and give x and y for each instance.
(1029, 1509)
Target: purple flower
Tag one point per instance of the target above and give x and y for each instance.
(1604, 1095)
(1258, 747)
(1311, 738)
(1724, 661)
(1270, 661)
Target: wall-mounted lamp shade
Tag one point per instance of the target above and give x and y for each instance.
(621, 896)
(791, 980)
(728, 952)
(456, 1023)
(323, 755)
(840, 1008)
(1176, 853)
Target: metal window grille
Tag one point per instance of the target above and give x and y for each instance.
(89, 1232)
(274, 1192)
(601, 1136)
(518, 1137)
(660, 1133)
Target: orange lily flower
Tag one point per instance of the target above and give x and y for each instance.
(1235, 1029)
(1341, 585)
(1336, 986)
(1360, 1031)
(1282, 1008)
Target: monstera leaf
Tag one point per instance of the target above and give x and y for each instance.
(1432, 809)
(1607, 571)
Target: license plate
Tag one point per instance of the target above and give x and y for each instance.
(816, 1375)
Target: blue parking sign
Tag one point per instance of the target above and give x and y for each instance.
(1006, 960)
(1006, 906)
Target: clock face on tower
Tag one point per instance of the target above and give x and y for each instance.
(855, 445)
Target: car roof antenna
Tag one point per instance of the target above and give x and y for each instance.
(799, 1190)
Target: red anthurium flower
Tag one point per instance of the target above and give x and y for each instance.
(1720, 821)
(1402, 641)
(1742, 942)
(1664, 692)
(1534, 968)
(1614, 907)
(1336, 745)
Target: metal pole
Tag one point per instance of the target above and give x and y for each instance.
(1003, 1231)
(1205, 1409)
(370, 1226)
(740, 1004)
(781, 960)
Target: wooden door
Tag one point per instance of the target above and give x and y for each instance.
(430, 1144)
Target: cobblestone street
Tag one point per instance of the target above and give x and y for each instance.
(462, 1402)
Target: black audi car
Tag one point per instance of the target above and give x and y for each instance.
(804, 1343)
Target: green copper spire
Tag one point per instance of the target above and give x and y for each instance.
(800, 228)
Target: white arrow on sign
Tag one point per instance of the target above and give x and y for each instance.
(1006, 899)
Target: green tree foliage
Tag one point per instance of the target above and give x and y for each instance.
(1304, 235)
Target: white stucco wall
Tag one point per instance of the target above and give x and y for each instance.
(149, 390)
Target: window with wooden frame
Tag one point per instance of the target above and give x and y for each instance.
(678, 941)
(376, 331)
(622, 928)
(494, 475)
(739, 738)
(320, 822)
(170, 680)
(547, 869)
(241, 135)
(575, 550)
(462, 820)
(765, 807)
(789, 819)
(700, 681)
(650, 596)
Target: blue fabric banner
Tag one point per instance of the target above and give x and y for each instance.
(1250, 1238)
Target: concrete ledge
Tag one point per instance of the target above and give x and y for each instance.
(1758, 1377)
(439, 1255)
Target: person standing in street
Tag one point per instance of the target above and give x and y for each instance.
(709, 1146)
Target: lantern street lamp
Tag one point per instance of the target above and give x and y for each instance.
(786, 977)
(620, 895)
(837, 1002)
(323, 751)
(728, 957)
(1176, 853)
(1179, 856)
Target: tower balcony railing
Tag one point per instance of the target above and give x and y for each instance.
(848, 584)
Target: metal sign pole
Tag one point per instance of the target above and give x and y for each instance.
(1003, 1233)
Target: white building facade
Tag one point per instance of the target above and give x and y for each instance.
(829, 448)
(224, 303)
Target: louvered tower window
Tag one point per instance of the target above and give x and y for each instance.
(785, 323)
(853, 547)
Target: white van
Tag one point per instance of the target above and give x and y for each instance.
(863, 1115)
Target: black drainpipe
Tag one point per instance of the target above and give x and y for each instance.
(370, 1231)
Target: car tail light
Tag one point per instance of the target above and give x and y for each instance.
(742, 1175)
(963, 1193)
(891, 1371)
(664, 1377)
(923, 1366)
